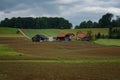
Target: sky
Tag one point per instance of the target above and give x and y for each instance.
(75, 11)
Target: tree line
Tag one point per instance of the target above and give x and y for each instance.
(36, 23)
(105, 21)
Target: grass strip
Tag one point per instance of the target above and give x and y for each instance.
(108, 42)
(65, 61)
(6, 51)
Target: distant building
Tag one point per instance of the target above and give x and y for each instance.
(39, 38)
(82, 37)
(64, 37)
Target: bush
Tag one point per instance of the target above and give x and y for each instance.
(99, 35)
(115, 34)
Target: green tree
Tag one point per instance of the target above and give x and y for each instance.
(105, 21)
(89, 34)
(83, 24)
(118, 21)
(89, 24)
(76, 27)
(98, 35)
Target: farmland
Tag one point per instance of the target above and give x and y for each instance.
(57, 60)
(54, 32)
(59, 71)
(6, 51)
(8, 30)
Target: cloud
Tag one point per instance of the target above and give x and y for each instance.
(1, 13)
(73, 10)
(64, 1)
(100, 2)
(89, 6)
(102, 9)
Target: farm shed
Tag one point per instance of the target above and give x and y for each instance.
(82, 36)
(64, 37)
(39, 38)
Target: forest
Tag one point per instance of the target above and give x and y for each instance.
(36, 23)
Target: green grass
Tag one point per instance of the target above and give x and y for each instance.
(46, 32)
(108, 42)
(54, 32)
(6, 51)
(8, 30)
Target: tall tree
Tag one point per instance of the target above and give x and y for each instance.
(83, 24)
(106, 19)
(89, 24)
(118, 21)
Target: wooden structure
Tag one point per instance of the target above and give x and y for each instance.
(64, 37)
(39, 38)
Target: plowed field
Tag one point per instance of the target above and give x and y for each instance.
(60, 51)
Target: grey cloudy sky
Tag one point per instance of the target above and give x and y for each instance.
(73, 10)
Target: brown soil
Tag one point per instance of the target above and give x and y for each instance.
(55, 50)
(59, 71)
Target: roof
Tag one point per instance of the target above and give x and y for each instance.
(61, 35)
(81, 35)
(64, 35)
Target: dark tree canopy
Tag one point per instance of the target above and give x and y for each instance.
(105, 21)
(86, 24)
(36, 23)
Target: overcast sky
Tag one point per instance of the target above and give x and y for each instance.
(73, 10)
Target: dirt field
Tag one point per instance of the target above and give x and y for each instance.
(59, 71)
(59, 51)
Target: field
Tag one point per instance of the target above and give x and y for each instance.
(8, 30)
(57, 60)
(59, 71)
(54, 32)
(108, 42)
(6, 51)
